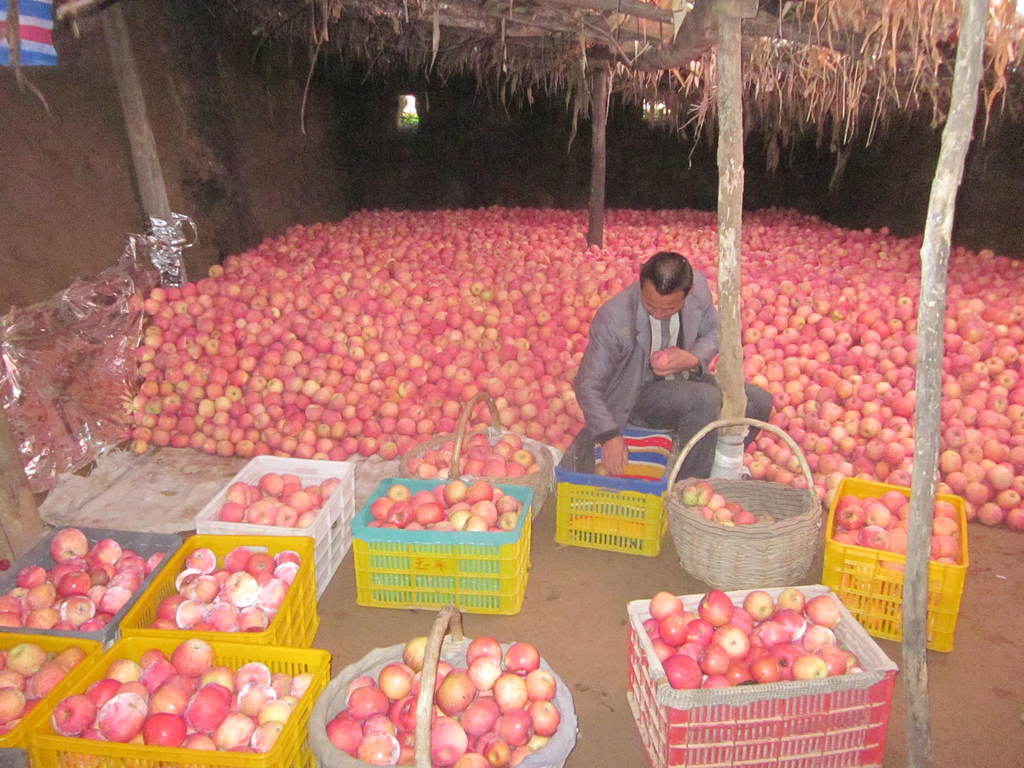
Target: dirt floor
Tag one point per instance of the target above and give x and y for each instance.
(575, 613)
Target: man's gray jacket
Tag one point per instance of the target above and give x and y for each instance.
(616, 363)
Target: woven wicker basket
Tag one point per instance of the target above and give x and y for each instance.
(333, 698)
(540, 482)
(770, 554)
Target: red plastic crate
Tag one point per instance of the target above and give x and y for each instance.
(829, 723)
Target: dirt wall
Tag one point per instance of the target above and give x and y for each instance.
(470, 151)
(226, 125)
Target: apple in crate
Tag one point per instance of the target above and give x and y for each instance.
(883, 523)
(455, 505)
(764, 639)
(275, 499)
(85, 588)
(187, 708)
(28, 673)
(508, 457)
(243, 595)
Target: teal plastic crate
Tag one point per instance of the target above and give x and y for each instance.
(478, 571)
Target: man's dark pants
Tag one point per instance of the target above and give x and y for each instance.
(683, 407)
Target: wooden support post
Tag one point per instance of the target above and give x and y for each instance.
(956, 139)
(148, 174)
(598, 153)
(730, 208)
(19, 516)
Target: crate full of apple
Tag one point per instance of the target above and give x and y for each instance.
(79, 582)
(430, 543)
(748, 663)
(508, 456)
(865, 555)
(259, 589)
(883, 523)
(494, 704)
(452, 506)
(701, 499)
(29, 673)
(148, 703)
(279, 496)
(33, 671)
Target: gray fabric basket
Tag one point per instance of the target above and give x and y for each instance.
(332, 700)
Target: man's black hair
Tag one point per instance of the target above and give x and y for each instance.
(669, 272)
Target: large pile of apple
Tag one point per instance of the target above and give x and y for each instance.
(367, 335)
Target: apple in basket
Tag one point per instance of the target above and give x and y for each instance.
(701, 499)
(484, 720)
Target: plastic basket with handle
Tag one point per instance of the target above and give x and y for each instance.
(765, 554)
(453, 650)
(540, 482)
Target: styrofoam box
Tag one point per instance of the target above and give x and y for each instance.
(332, 529)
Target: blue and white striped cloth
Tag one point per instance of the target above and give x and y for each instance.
(35, 28)
(648, 453)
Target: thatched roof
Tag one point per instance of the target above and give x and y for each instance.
(842, 68)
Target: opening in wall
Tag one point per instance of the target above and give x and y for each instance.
(408, 115)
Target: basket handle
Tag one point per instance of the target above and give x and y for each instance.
(739, 422)
(448, 618)
(460, 428)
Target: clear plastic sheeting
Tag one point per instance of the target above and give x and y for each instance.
(68, 363)
(167, 240)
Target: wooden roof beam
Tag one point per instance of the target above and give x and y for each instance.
(626, 7)
(698, 33)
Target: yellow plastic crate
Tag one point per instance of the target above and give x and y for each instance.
(295, 624)
(597, 516)
(17, 737)
(47, 749)
(480, 572)
(870, 581)
(618, 514)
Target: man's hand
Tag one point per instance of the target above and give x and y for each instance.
(671, 360)
(614, 455)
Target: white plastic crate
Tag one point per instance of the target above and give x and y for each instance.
(332, 529)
